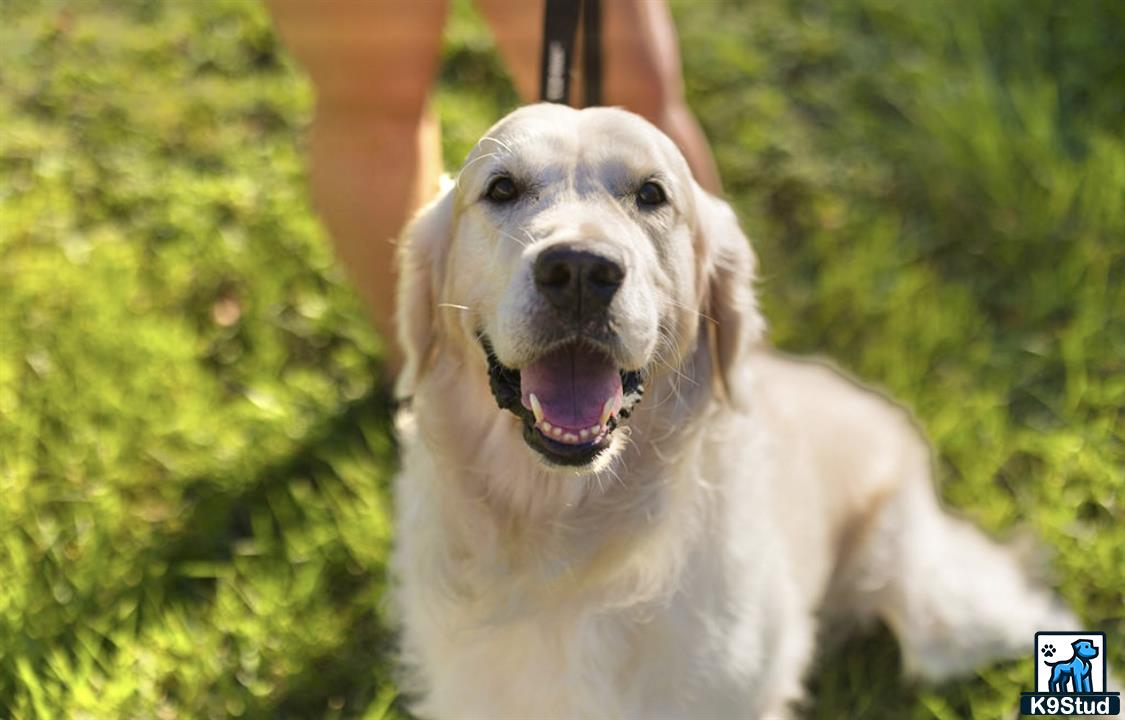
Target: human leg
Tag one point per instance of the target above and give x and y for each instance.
(374, 151)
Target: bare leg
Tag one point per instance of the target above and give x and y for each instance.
(374, 149)
(641, 65)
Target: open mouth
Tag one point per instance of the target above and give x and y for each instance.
(571, 399)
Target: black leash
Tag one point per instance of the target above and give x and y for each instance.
(560, 28)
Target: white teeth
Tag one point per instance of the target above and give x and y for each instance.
(536, 408)
(571, 436)
(607, 410)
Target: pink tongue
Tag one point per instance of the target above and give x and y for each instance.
(572, 385)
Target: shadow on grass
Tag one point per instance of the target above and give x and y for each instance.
(220, 517)
(860, 677)
(344, 677)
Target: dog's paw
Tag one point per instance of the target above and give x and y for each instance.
(1048, 651)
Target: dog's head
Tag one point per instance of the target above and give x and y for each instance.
(1084, 649)
(574, 262)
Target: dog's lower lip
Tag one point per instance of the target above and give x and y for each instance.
(564, 454)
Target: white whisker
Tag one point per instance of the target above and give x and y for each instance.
(513, 238)
(498, 142)
(703, 315)
(457, 182)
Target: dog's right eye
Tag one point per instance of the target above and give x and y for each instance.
(651, 195)
(502, 189)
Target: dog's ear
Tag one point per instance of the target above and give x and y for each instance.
(728, 266)
(421, 259)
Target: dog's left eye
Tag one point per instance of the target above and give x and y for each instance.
(651, 195)
(502, 189)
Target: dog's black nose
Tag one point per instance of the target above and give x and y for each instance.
(577, 281)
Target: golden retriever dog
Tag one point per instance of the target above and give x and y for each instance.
(616, 501)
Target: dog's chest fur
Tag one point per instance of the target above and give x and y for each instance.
(657, 659)
(623, 609)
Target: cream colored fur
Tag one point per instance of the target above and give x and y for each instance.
(682, 575)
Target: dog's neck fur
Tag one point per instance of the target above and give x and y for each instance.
(518, 535)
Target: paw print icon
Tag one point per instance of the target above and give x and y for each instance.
(1048, 651)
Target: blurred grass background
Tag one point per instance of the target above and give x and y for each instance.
(194, 445)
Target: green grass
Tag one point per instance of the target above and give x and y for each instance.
(194, 445)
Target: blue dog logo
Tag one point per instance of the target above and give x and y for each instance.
(1075, 671)
(1074, 685)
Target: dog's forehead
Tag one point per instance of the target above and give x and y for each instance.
(546, 137)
